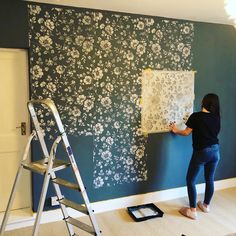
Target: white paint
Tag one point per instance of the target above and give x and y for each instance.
(206, 11)
(24, 218)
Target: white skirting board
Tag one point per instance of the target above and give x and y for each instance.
(24, 217)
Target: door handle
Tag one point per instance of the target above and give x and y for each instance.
(22, 127)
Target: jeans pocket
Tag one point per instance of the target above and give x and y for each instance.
(207, 154)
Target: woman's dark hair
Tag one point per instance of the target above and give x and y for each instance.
(211, 103)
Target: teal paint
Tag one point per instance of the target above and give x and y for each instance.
(214, 58)
(13, 24)
(168, 155)
(90, 62)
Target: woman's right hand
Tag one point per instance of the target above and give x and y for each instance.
(173, 127)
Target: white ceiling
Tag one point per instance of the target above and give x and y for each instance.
(196, 10)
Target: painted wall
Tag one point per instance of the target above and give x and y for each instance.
(90, 63)
(214, 59)
(166, 156)
(13, 24)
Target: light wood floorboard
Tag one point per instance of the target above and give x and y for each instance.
(221, 221)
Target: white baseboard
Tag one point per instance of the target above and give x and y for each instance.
(157, 196)
(113, 204)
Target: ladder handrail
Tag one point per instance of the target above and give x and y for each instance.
(49, 173)
(17, 178)
(51, 105)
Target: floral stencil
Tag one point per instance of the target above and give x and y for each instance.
(167, 96)
(89, 62)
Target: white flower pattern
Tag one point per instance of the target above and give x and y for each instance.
(90, 63)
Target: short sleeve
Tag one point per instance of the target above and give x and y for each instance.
(191, 121)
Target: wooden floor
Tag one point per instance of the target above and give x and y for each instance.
(221, 221)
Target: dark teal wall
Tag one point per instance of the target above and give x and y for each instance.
(120, 161)
(214, 59)
(13, 24)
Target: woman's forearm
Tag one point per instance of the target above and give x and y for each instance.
(184, 132)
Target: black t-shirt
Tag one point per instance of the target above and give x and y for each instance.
(206, 127)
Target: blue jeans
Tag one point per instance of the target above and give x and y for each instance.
(209, 158)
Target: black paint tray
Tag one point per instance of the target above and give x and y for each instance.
(144, 212)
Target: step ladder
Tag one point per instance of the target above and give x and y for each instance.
(48, 166)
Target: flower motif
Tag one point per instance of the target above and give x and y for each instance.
(43, 84)
(51, 86)
(156, 48)
(117, 71)
(129, 110)
(129, 161)
(109, 87)
(130, 56)
(140, 25)
(37, 72)
(74, 53)
(35, 9)
(109, 140)
(133, 149)
(98, 182)
(106, 155)
(141, 49)
(60, 69)
(117, 177)
(150, 21)
(117, 125)
(76, 112)
(87, 20)
(134, 43)
(139, 132)
(88, 104)
(109, 29)
(80, 99)
(45, 41)
(49, 24)
(97, 16)
(186, 30)
(79, 39)
(176, 58)
(106, 102)
(105, 45)
(88, 46)
(186, 52)
(139, 153)
(180, 47)
(98, 128)
(97, 73)
(88, 79)
(159, 34)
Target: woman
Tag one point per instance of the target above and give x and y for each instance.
(204, 126)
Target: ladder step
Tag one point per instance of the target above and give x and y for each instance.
(80, 225)
(66, 183)
(41, 166)
(74, 205)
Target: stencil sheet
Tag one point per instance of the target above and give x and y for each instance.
(167, 96)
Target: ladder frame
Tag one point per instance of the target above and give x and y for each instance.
(50, 174)
(14, 188)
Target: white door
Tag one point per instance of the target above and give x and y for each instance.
(14, 94)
